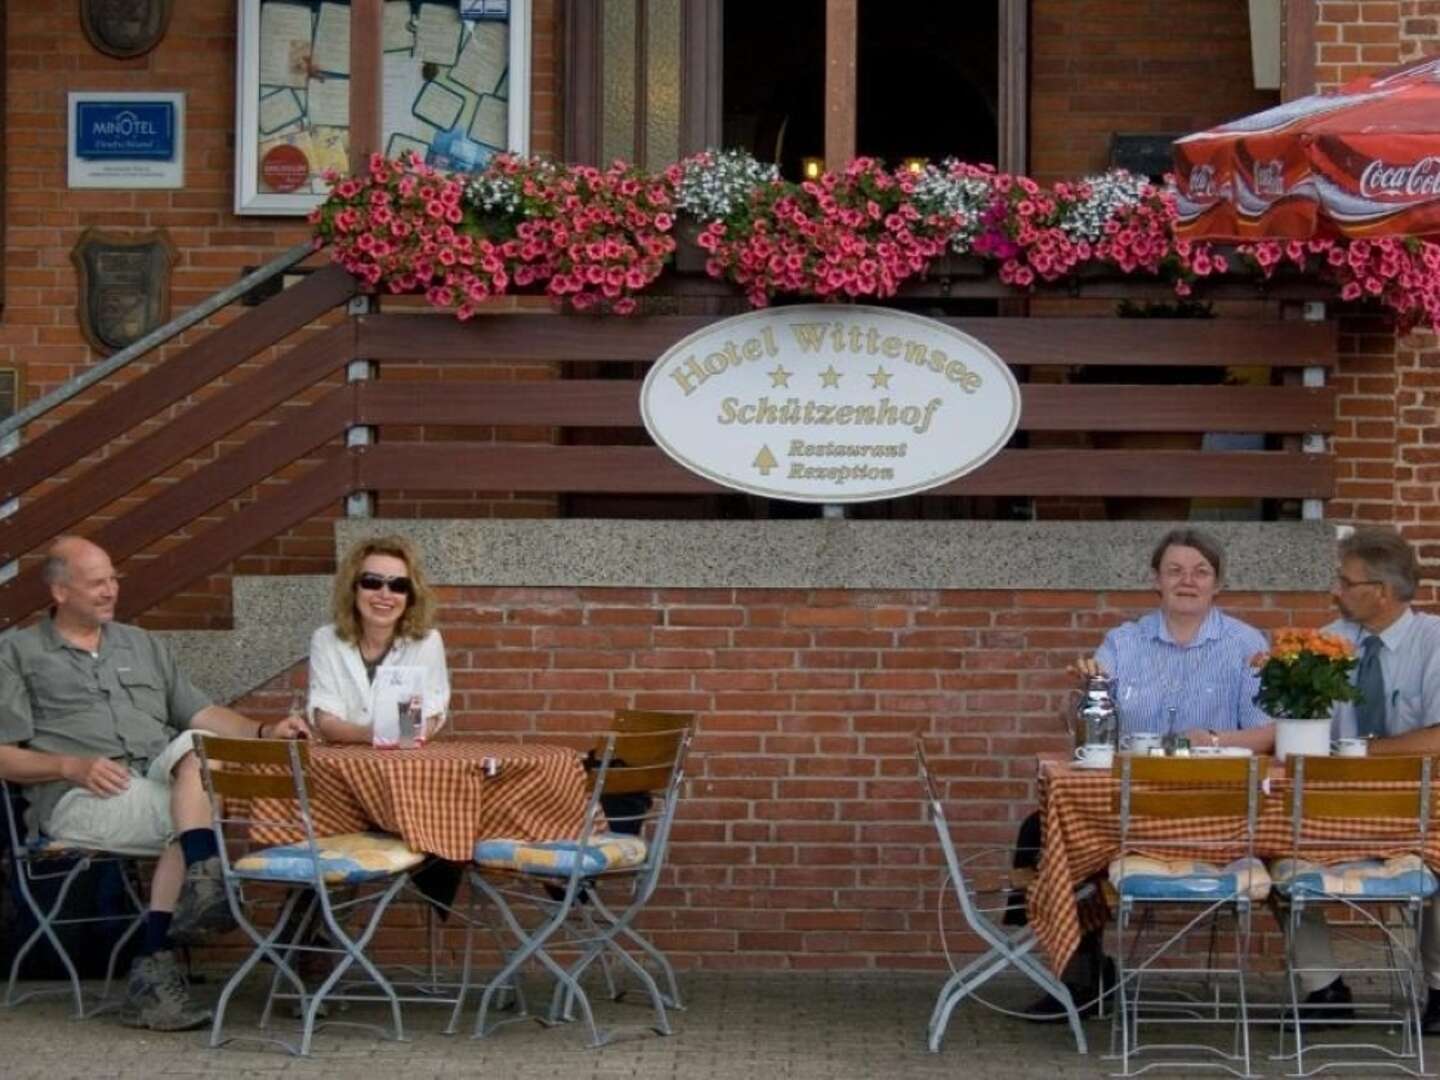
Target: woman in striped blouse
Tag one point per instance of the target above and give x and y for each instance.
(1185, 667)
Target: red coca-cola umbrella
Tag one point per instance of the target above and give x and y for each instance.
(1361, 161)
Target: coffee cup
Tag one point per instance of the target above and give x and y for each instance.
(1349, 747)
(1096, 755)
(1141, 742)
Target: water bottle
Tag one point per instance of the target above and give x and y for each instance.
(410, 721)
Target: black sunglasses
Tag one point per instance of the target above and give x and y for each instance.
(400, 586)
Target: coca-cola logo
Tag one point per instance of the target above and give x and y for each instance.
(1270, 177)
(1202, 181)
(1380, 179)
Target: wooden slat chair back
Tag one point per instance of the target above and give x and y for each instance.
(1354, 788)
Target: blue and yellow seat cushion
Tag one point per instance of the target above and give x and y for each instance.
(344, 860)
(47, 847)
(1402, 876)
(1144, 878)
(556, 858)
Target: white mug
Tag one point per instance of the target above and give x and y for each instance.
(1141, 742)
(1099, 755)
(1350, 747)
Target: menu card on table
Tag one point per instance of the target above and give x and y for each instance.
(394, 686)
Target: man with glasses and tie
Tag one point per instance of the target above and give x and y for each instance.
(1398, 674)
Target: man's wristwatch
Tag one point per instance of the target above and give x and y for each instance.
(260, 731)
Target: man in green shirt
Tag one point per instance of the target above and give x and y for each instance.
(97, 722)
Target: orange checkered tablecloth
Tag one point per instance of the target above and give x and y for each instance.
(1081, 835)
(438, 798)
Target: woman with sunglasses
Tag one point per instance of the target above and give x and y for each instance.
(381, 650)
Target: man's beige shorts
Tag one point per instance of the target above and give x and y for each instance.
(135, 822)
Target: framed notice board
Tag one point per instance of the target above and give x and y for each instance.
(456, 90)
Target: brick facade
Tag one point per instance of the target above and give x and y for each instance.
(1105, 66)
(1385, 441)
(800, 842)
(48, 56)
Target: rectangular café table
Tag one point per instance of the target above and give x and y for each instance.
(1081, 835)
(439, 799)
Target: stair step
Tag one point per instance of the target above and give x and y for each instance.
(282, 600)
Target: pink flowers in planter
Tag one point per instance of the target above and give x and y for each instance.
(1401, 273)
(598, 238)
(587, 235)
(856, 235)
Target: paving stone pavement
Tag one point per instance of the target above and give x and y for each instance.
(736, 1027)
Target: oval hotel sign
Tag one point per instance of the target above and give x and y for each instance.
(831, 404)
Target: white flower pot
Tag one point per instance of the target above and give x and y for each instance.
(1302, 737)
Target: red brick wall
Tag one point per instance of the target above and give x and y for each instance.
(1103, 66)
(801, 842)
(47, 56)
(1384, 440)
(1355, 38)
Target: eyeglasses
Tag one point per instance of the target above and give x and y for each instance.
(1346, 583)
(400, 585)
(1181, 573)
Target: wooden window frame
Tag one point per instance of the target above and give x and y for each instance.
(700, 115)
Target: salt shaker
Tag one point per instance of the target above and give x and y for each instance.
(1171, 740)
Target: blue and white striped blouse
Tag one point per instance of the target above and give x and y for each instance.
(1208, 683)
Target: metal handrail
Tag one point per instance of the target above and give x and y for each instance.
(159, 336)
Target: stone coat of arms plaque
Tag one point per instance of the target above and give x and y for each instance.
(125, 28)
(124, 285)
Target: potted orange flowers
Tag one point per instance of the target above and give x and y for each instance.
(1302, 676)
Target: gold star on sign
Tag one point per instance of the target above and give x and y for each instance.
(878, 378)
(779, 377)
(830, 377)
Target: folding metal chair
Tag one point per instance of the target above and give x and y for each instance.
(625, 814)
(562, 885)
(1379, 804)
(1177, 807)
(1006, 946)
(55, 860)
(337, 878)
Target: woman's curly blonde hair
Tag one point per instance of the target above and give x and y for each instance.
(419, 610)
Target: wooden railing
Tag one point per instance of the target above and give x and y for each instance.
(311, 432)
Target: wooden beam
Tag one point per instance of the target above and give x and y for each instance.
(298, 432)
(197, 427)
(1019, 342)
(280, 507)
(611, 403)
(646, 470)
(1297, 75)
(701, 83)
(190, 369)
(1014, 89)
(367, 51)
(581, 85)
(842, 20)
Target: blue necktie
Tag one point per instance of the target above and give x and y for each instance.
(1370, 681)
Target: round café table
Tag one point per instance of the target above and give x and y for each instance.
(442, 797)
